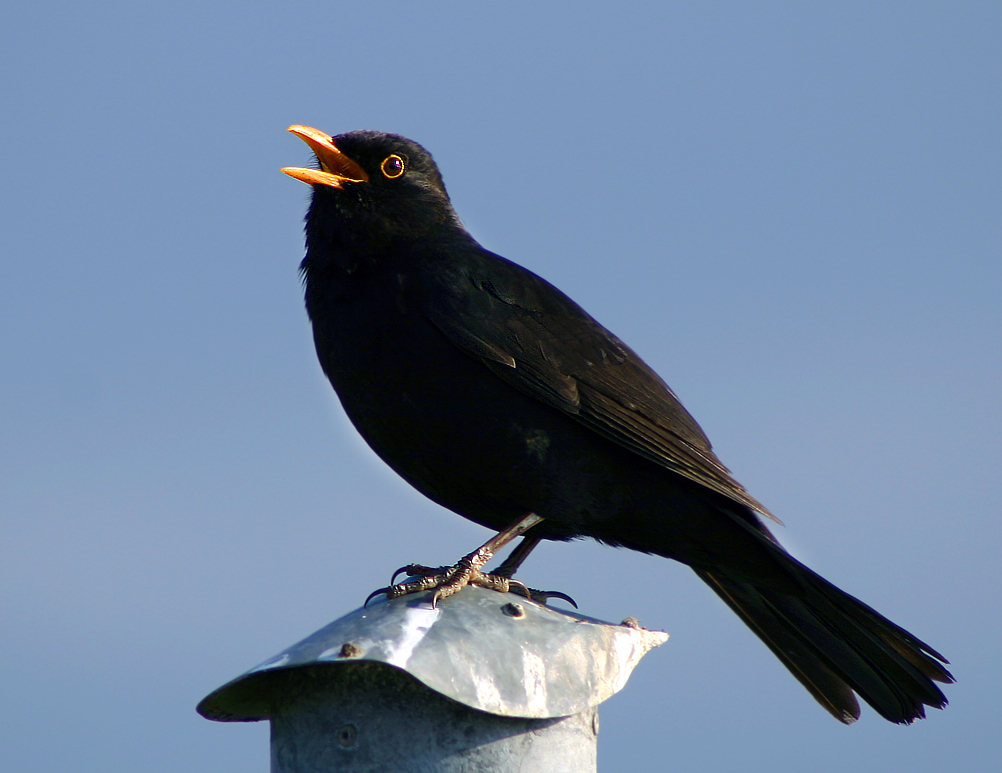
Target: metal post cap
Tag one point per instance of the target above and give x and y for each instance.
(494, 652)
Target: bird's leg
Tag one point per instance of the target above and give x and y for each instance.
(448, 580)
(511, 564)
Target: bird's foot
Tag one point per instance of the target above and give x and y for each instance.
(447, 580)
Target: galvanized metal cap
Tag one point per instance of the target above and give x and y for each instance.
(494, 652)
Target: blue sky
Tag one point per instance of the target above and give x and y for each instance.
(792, 211)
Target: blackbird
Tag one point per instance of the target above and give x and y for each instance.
(498, 397)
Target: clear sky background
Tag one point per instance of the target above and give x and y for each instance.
(792, 211)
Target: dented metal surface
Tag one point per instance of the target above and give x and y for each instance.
(493, 652)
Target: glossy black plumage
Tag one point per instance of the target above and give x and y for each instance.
(496, 395)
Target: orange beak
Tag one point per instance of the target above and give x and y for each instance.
(336, 168)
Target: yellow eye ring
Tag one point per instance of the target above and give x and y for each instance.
(392, 167)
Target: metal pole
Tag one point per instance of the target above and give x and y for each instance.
(369, 718)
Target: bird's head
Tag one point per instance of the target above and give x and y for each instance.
(371, 189)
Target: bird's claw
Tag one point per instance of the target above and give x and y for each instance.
(377, 592)
(544, 596)
(447, 580)
(417, 570)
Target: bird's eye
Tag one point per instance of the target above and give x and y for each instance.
(392, 167)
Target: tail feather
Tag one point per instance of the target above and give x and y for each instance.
(836, 645)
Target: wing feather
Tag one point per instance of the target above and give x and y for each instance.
(537, 339)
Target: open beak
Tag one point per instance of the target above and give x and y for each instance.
(336, 168)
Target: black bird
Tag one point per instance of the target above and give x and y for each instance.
(497, 396)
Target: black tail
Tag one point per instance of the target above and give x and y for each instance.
(836, 645)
